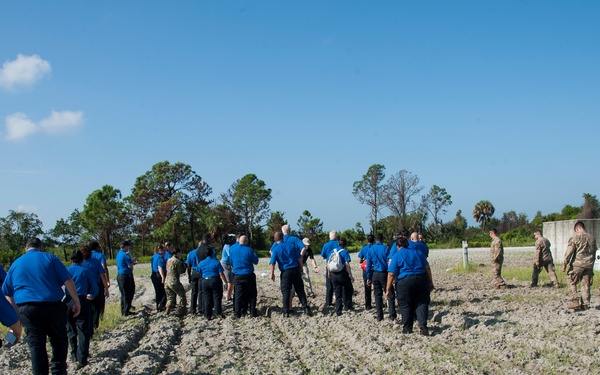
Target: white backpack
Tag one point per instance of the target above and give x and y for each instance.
(335, 263)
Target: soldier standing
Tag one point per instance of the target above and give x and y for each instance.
(579, 257)
(173, 285)
(497, 255)
(543, 260)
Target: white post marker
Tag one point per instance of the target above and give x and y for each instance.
(465, 246)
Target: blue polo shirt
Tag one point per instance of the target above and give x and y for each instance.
(8, 315)
(422, 246)
(95, 267)
(192, 260)
(210, 267)
(168, 255)
(288, 238)
(99, 256)
(327, 249)
(2, 274)
(36, 277)
(123, 262)
(393, 250)
(364, 252)
(243, 259)
(377, 259)
(225, 254)
(408, 262)
(84, 280)
(158, 261)
(286, 255)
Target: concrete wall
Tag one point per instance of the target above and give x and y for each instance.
(559, 232)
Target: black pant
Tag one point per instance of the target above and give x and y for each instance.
(367, 291)
(98, 306)
(413, 300)
(212, 294)
(159, 290)
(127, 289)
(80, 329)
(379, 283)
(43, 320)
(343, 289)
(196, 297)
(292, 278)
(244, 289)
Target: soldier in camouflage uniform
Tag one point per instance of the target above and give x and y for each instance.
(497, 257)
(579, 258)
(173, 286)
(543, 260)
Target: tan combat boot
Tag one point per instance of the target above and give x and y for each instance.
(575, 304)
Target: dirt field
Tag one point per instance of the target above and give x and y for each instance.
(475, 330)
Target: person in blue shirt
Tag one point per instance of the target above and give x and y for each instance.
(326, 251)
(363, 255)
(97, 270)
(80, 327)
(243, 259)
(289, 260)
(125, 279)
(33, 285)
(228, 241)
(212, 288)
(159, 273)
(9, 317)
(410, 271)
(376, 274)
(342, 280)
(2, 275)
(416, 243)
(100, 300)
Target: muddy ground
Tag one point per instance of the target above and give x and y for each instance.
(475, 329)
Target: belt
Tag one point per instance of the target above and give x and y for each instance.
(212, 277)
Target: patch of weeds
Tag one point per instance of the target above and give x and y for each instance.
(461, 269)
(112, 317)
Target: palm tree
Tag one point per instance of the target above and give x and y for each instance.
(483, 212)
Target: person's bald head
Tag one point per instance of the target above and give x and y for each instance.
(244, 240)
(285, 229)
(414, 236)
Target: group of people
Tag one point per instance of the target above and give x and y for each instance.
(578, 263)
(33, 297)
(65, 304)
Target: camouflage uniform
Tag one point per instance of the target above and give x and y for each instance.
(543, 257)
(497, 255)
(173, 286)
(579, 258)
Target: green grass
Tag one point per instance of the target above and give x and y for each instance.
(460, 269)
(112, 317)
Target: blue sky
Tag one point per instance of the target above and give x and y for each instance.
(490, 100)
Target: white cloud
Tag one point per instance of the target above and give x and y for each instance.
(24, 71)
(27, 208)
(18, 126)
(59, 122)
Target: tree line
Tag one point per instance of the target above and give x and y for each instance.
(171, 202)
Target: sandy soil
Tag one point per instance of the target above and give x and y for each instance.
(475, 330)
